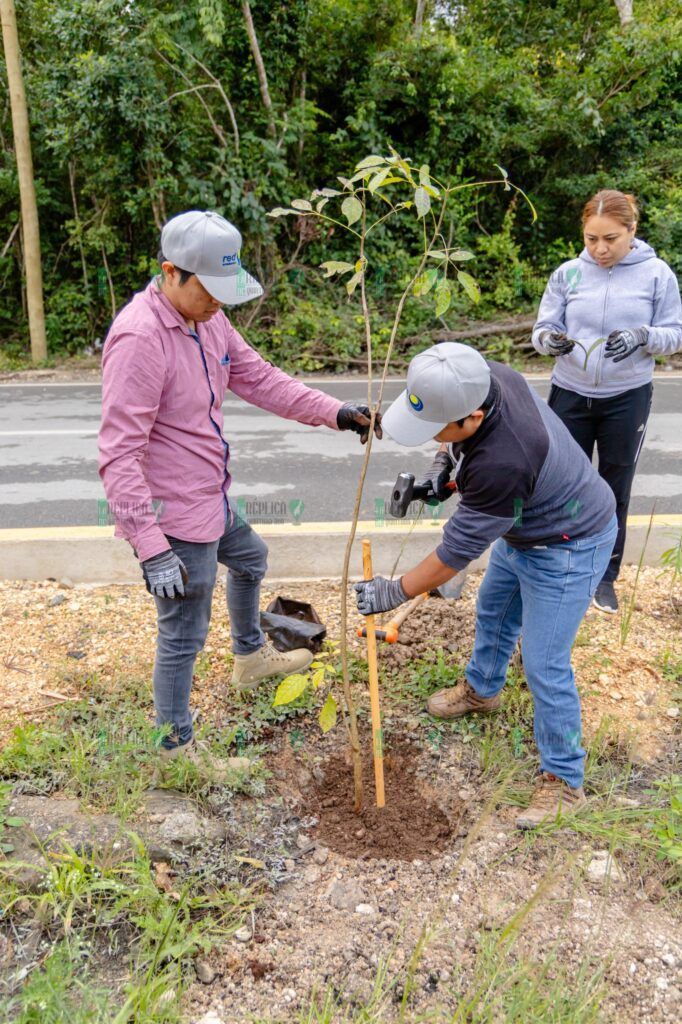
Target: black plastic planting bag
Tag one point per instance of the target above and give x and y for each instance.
(291, 624)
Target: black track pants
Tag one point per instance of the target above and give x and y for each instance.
(617, 426)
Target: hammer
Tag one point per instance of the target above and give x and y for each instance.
(390, 634)
(405, 491)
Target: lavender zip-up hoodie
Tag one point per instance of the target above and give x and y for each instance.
(588, 302)
(163, 459)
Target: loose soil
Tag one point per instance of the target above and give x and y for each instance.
(409, 825)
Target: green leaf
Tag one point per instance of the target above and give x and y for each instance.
(318, 678)
(6, 847)
(371, 161)
(302, 204)
(422, 201)
(351, 208)
(504, 174)
(321, 205)
(328, 193)
(280, 211)
(290, 689)
(443, 297)
(461, 254)
(469, 285)
(425, 282)
(327, 717)
(424, 178)
(378, 179)
(354, 281)
(437, 254)
(15, 822)
(332, 267)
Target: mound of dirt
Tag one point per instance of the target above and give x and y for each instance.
(410, 825)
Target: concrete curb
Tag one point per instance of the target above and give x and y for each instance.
(91, 554)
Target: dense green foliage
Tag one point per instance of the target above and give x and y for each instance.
(130, 108)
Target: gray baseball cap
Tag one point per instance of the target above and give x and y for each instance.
(445, 383)
(208, 245)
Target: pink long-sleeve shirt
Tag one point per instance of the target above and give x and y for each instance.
(162, 456)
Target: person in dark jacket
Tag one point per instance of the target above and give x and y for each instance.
(604, 316)
(528, 489)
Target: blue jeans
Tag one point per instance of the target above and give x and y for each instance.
(183, 624)
(542, 595)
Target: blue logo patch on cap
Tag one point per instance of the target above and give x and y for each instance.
(231, 259)
(415, 402)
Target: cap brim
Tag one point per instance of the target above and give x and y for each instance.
(405, 426)
(232, 290)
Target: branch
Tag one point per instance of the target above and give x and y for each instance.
(260, 68)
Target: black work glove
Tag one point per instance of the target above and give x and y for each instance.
(438, 475)
(621, 344)
(379, 595)
(356, 417)
(165, 575)
(556, 342)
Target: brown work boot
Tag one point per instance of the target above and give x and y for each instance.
(460, 700)
(552, 797)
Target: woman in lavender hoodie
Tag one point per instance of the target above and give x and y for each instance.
(604, 316)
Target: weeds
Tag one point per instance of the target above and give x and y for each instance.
(628, 608)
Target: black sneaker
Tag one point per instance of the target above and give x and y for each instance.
(605, 598)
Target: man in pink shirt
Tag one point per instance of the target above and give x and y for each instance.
(169, 358)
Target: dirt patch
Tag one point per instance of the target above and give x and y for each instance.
(409, 825)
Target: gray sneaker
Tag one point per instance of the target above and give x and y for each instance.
(267, 661)
(605, 598)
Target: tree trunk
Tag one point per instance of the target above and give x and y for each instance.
(419, 17)
(260, 68)
(27, 192)
(624, 11)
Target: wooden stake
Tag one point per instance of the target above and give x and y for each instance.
(377, 735)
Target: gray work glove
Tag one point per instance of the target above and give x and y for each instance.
(438, 475)
(379, 595)
(165, 575)
(556, 342)
(621, 344)
(352, 416)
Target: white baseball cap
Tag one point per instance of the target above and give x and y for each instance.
(445, 383)
(206, 244)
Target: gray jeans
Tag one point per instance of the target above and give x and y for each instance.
(183, 624)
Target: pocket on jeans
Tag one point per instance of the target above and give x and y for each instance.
(600, 559)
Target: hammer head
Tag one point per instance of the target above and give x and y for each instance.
(404, 492)
(401, 496)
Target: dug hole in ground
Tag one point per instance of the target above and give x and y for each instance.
(434, 908)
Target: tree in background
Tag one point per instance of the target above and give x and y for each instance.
(142, 110)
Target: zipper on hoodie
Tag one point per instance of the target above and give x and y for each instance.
(597, 379)
(226, 447)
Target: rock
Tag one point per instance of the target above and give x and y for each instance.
(346, 895)
(604, 868)
(65, 584)
(57, 599)
(205, 973)
(303, 842)
(238, 764)
(289, 864)
(243, 934)
(209, 1018)
(321, 855)
(312, 874)
(288, 995)
(365, 908)
(672, 712)
(604, 679)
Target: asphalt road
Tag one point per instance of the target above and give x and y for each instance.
(282, 470)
